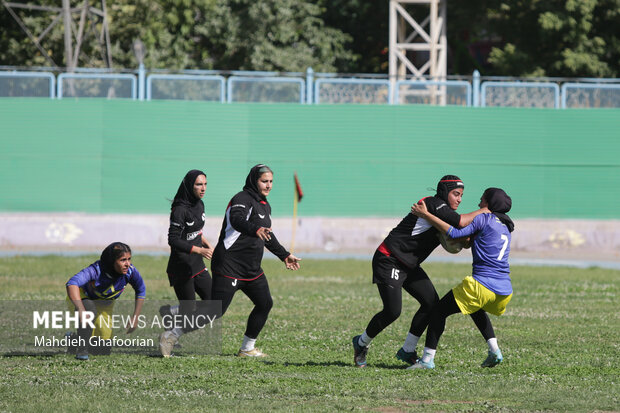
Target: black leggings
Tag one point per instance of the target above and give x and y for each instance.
(420, 287)
(186, 291)
(257, 290)
(446, 307)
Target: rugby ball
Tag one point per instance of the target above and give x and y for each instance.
(451, 245)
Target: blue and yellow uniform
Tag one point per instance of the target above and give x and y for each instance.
(489, 287)
(103, 288)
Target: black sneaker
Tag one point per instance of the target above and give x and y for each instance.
(359, 353)
(407, 357)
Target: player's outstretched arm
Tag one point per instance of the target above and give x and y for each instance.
(421, 211)
(467, 219)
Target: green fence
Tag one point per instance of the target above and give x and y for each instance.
(101, 156)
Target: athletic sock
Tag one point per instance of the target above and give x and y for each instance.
(411, 342)
(248, 343)
(177, 331)
(364, 340)
(493, 347)
(429, 354)
(174, 309)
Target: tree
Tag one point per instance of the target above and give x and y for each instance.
(564, 38)
(498, 37)
(280, 35)
(367, 24)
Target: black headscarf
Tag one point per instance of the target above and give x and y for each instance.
(499, 203)
(109, 256)
(185, 193)
(447, 184)
(251, 182)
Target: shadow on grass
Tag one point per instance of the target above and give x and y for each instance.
(342, 364)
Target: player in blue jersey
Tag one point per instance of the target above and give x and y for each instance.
(95, 289)
(488, 289)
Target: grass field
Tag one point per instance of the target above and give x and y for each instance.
(560, 338)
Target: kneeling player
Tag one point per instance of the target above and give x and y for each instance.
(95, 289)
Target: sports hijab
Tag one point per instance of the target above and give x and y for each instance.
(251, 182)
(109, 256)
(185, 193)
(447, 184)
(499, 203)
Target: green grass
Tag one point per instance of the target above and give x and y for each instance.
(560, 338)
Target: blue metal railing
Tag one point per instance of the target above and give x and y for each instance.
(605, 95)
(92, 89)
(368, 91)
(522, 94)
(309, 88)
(9, 88)
(266, 89)
(435, 92)
(205, 82)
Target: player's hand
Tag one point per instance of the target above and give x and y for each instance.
(292, 262)
(264, 233)
(206, 252)
(419, 209)
(133, 324)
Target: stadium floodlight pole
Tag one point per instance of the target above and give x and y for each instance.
(418, 48)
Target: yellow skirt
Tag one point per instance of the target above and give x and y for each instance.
(103, 318)
(472, 296)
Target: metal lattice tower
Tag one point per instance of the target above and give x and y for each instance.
(79, 23)
(418, 48)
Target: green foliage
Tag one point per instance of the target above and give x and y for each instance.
(557, 38)
(279, 35)
(559, 339)
(528, 37)
(367, 24)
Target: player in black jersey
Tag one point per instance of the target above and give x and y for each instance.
(396, 266)
(188, 246)
(236, 265)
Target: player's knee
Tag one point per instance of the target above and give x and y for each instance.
(427, 303)
(391, 314)
(266, 305)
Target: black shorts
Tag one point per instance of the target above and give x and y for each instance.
(390, 271)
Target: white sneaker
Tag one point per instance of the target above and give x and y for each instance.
(251, 353)
(167, 340)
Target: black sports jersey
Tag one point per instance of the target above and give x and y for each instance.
(239, 250)
(413, 239)
(186, 222)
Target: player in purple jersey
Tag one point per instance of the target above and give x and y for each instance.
(96, 287)
(489, 288)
